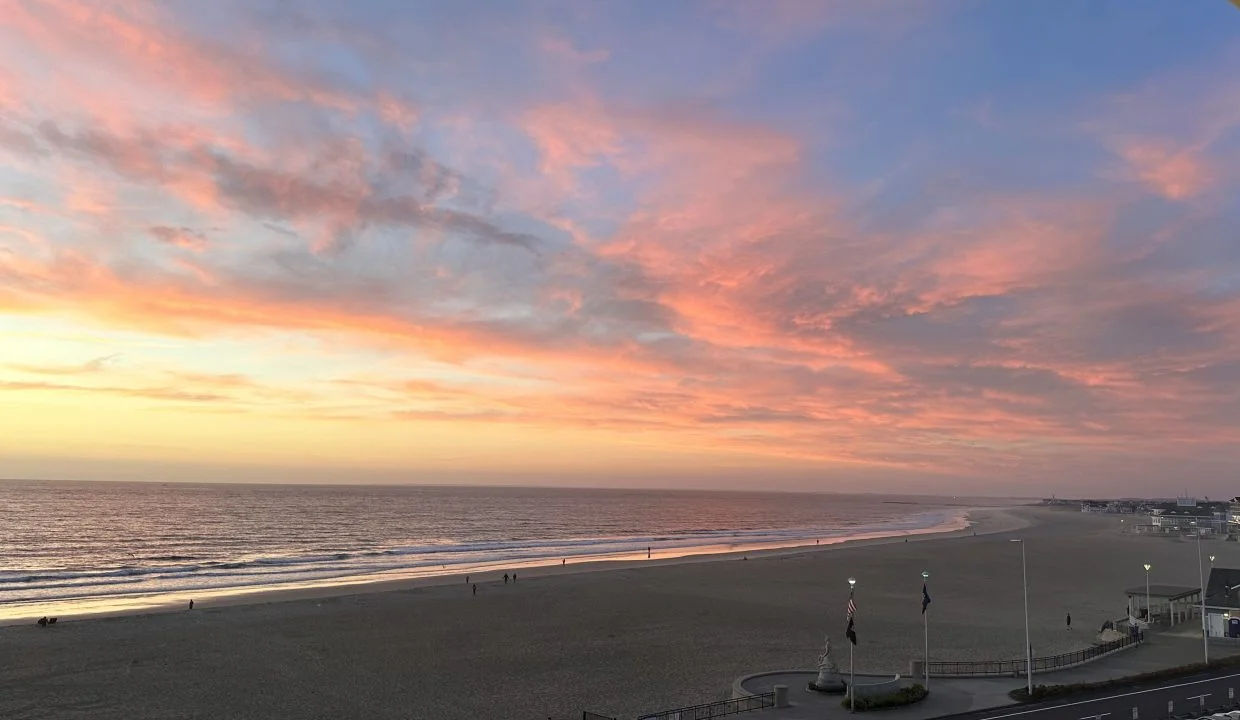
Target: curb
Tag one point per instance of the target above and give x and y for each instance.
(739, 691)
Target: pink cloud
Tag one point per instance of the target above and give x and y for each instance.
(1176, 174)
(137, 45)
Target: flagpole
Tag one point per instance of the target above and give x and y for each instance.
(852, 644)
(925, 621)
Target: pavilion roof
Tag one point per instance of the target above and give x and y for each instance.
(1163, 592)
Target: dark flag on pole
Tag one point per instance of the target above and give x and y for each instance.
(925, 599)
(850, 633)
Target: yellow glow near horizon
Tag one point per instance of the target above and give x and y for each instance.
(266, 246)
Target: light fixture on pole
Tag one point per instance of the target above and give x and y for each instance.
(1024, 573)
(852, 676)
(1149, 611)
(925, 621)
(1205, 632)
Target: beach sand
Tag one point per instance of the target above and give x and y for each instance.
(614, 638)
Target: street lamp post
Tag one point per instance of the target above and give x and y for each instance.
(1205, 631)
(925, 621)
(1024, 573)
(1149, 611)
(852, 675)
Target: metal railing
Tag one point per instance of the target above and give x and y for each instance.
(982, 668)
(719, 709)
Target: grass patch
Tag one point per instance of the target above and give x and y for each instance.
(1049, 692)
(904, 696)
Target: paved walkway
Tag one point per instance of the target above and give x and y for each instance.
(949, 696)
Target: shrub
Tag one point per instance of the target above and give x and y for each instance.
(903, 696)
(1047, 692)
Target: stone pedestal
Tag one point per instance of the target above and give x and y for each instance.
(781, 696)
(829, 679)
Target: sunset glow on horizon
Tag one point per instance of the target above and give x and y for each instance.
(958, 246)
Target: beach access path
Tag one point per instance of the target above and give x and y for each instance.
(950, 696)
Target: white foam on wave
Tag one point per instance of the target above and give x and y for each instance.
(435, 558)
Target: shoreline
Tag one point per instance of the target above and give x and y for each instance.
(969, 520)
(618, 638)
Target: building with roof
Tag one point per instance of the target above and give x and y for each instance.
(1164, 604)
(1223, 602)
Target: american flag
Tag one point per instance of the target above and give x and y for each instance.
(852, 606)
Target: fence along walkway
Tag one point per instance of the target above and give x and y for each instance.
(1014, 668)
(723, 708)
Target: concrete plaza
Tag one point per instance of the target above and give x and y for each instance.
(950, 695)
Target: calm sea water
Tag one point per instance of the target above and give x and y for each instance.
(112, 545)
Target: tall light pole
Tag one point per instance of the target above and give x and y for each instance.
(852, 675)
(1024, 574)
(1205, 632)
(925, 621)
(1149, 611)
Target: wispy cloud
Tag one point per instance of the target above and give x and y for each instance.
(697, 255)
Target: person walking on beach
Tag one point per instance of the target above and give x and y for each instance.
(191, 604)
(505, 578)
(647, 553)
(475, 589)
(514, 577)
(466, 579)
(1069, 621)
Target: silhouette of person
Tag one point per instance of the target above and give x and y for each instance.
(1069, 619)
(514, 577)
(505, 578)
(191, 604)
(475, 589)
(647, 553)
(466, 579)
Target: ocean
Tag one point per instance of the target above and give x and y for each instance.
(84, 547)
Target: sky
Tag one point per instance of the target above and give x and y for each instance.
(951, 247)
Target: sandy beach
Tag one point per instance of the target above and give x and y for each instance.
(615, 638)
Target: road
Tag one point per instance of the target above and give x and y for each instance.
(1187, 697)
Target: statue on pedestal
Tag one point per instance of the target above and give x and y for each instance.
(829, 680)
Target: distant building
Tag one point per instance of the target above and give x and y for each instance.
(1169, 522)
(1186, 502)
